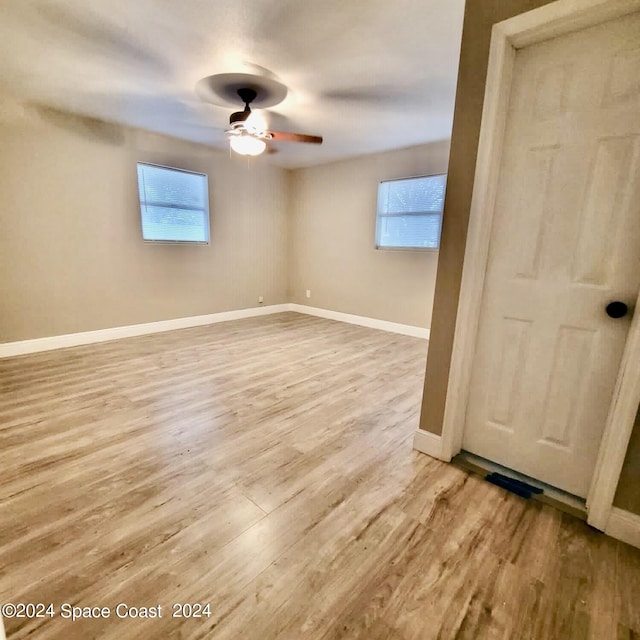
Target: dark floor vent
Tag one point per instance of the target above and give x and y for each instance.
(518, 487)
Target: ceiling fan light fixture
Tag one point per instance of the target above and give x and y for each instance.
(247, 145)
(255, 124)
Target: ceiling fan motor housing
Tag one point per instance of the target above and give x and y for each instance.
(247, 95)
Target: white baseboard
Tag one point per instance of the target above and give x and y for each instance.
(429, 443)
(372, 323)
(22, 347)
(35, 345)
(624, 525)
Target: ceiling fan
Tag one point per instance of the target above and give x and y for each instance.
(248, 133)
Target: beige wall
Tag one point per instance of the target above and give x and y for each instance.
(71, 253)
(332, 228)
(72, 258)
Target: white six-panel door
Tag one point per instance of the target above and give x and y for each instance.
(565, 242)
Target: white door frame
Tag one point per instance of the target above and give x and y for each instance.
(549, 21)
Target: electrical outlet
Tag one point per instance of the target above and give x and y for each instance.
(260, 299)
(308, 293)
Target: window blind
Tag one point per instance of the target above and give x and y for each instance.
(410, 212)
(174, 204)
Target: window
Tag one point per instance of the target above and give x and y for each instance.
(410, 212)
(174, 204)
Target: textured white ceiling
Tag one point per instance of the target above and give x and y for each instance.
(368, 75)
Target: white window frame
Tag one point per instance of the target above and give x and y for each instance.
(380, 214)
(206, 199)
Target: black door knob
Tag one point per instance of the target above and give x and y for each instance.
(616, 309)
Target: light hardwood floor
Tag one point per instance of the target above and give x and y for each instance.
(264, 466)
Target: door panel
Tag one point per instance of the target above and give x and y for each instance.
(507, 383)
(566, 386)
(602, 216)
(565, 241)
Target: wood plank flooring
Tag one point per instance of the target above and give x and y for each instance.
(264, 467)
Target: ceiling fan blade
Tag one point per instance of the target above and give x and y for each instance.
(283, 136)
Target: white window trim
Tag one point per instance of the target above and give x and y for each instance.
(378, 247)
(208, 217)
